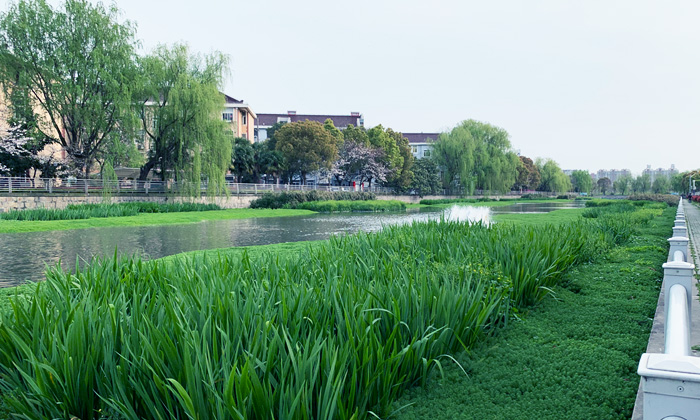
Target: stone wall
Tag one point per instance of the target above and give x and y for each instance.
(56, 201)
(8, 203)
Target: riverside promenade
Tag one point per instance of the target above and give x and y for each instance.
(656, 337)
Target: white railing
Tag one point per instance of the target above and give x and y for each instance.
(15, 185)
(671, 380)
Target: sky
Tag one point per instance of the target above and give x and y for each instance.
(592, 84)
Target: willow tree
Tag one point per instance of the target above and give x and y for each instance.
(477, 155)
(454, 153)
(75, 65)
(553, 179)
(179, 105)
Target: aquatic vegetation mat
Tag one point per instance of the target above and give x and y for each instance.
(338, 332)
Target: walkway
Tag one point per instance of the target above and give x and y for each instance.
(656, 338)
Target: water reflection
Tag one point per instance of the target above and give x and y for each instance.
(26, 255)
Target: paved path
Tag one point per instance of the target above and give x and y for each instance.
(656, 337)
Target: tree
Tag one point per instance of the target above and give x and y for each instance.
(426, 177)
(356, 134)
(360, 162)
(604, 185)
(268, 161)
(179, 106)
(76, 66)
(623, 184)
(271, 133)
(243, 160)
(179, 109)
(678, 185)
(306, 147)
(331, 128)
(553, 178)
(528, 177)
(453, 152)
(641, 184)
(661, 185)
(18, 157)
(397, 153)
(581, 181)
(477, 155)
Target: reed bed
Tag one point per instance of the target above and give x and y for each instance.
(88, 211)
(336, 333)
(353, 206)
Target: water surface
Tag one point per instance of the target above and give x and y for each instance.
(26, 255)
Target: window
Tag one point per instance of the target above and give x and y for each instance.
(414, 149)
(244, 117)
(245, 136)
(426, 153)
(227, 116)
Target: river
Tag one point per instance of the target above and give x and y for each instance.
(25, 256)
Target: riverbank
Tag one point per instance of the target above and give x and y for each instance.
(574, 356)
(352, 304)
(146, 219)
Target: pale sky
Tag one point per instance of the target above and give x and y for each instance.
(592, 84)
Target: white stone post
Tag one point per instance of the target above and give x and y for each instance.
(678, 243)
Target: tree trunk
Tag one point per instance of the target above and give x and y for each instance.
(146, 169)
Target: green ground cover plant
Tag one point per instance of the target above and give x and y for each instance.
(339, 331)
(145, 219)
(353, 206)
(553, 217)
(291, 199)
(574, 356)
(87, 211)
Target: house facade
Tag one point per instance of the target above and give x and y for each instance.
(421, 143)
(240, 117)
(265, 121)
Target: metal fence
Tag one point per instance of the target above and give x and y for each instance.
(14, 185)
(671, 380)
(10, 185)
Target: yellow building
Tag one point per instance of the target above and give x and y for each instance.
(241, 118)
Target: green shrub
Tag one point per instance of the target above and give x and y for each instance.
(671, 200)
(292, 199)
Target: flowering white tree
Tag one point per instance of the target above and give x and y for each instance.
(17, 158)
(360, 162)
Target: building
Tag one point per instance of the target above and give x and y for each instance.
(612, 174)
(421, 143)
(240, 116)
(655, 173)
(265, 121)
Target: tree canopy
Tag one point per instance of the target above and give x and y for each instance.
(75, 64)
(553, 178)
(179, 106)
(581, 181)
(426, 178)
(528, 177)
(623, 184)
(477, 155)
(306, 146)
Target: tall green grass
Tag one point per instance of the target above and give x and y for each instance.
(292, 199)
(350, 206)
(336, 333)
(87, 211)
